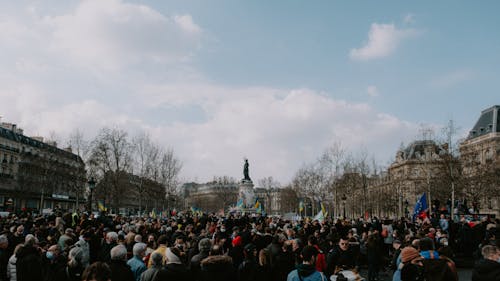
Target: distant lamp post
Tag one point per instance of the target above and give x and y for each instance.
(406, 208)
(343, 202)
(91, 184)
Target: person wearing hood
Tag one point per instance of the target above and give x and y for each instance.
(307, 270)
(175, 269)
(488, 269)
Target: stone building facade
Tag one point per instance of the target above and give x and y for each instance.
(37, 175)
(134, 194)
(480, 155)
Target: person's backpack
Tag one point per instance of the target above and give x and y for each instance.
(437, 270)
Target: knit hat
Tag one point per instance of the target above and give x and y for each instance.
(408, 254)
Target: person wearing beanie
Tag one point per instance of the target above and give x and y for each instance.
(174, 269)
(248, 269)
(307, 270)
(236, 252)
(412, 267)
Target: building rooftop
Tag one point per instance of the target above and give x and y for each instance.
(488, 122)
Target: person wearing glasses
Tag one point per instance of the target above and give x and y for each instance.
(340, 257)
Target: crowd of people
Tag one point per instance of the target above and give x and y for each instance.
(202, 247)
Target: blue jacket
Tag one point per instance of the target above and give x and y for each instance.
(137, 266)
(313, 276)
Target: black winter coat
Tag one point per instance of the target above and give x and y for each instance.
(29, 264)
(174, 272)
(486, 270)
(120, 271)
(217, 268)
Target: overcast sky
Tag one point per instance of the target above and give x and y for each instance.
(274, 81)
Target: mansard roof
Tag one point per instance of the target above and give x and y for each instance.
(488, 122)
(416, 150)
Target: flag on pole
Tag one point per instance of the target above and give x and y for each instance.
(301, 206)
(101, 207)
(323, 209)
(153, 214)
(258, 207)
(420, 207)
(319, 217)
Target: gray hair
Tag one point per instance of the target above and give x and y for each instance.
(30, 239)
(488, 251)
(112, 236)
(119, 252)
(3, 239)
(156, 259)
(139, 248)
(75, 257)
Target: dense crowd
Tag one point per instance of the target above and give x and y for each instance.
(70, 246)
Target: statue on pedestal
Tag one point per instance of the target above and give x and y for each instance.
(246, 176)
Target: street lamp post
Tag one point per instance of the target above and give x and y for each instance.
(406, 208)
(91, 184)
(343, 202)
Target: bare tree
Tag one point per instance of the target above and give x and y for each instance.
(146, 155)
(111, 155)
(169, 169)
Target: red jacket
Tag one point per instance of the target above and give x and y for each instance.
(320, 260)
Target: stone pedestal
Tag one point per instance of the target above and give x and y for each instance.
(246, 193)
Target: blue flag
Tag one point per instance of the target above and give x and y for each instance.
(420, 207)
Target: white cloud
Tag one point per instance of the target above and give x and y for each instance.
(111, 33)
(102, 63)
(383, 40)
(372, 91)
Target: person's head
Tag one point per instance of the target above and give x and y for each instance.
(111, 237)
(138, 238)
(491, 252)
(396, 244)
(75, 257)
(312, 240)
(162, 240)
(53, 252)
(30, 240)
(19, 230)
(4, 242)
(216, 250)
(250, 251)
(344, 243)
(98, 271)
(139, 249)
(426, 244)
(204, 245)
(309, 254)
(157, 259)
(119, 252)
(408, 254)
